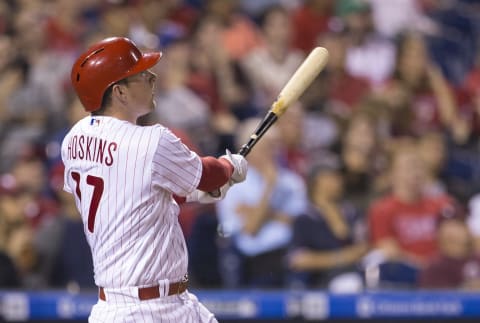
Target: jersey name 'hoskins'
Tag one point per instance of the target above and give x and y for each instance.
(92, 149)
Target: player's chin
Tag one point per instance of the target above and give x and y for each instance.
(147, 108)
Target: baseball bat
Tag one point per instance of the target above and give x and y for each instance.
(296, 85)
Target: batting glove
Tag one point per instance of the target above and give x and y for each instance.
(240, 166)
(209, 197)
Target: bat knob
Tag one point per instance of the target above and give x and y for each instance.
(215, 193)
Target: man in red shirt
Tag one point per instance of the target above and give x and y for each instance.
(403, 223)
(457, 265)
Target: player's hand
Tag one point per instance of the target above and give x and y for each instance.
(206, 197)
(240, 166)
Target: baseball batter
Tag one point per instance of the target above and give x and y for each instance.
(127, 181)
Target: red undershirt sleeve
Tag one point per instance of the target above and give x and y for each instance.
(215, 173)
(179, 199)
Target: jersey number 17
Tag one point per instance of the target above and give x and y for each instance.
(97, 183)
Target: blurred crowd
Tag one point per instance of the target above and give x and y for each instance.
(370, 180)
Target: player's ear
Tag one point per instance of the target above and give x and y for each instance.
(119, 92)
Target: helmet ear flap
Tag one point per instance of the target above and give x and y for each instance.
(105, 63)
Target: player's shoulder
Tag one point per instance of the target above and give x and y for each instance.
(81, 122)
(110, 125)
(154, 127)
(76, 127)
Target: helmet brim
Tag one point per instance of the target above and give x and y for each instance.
(147, 61)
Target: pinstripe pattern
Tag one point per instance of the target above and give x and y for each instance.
(136, 238)
(183, 308)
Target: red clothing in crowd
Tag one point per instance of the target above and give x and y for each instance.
(61, 38)
(357, 87)
(307, 26)
(445, 272)
(470, 98)
(205, 86)
(426, 113)
(184, 15)
(412, 225)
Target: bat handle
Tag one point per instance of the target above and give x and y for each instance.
(266, 123)
(244, 150)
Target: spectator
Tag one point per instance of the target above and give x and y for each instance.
(363, 161)
(339, 78)
(8, 273)
(471, 89)
(150, 17)
(258, 214)
(433, 150)
(454, 41)
(328, 106)
(116, 18)
(26, 110)
(18, 212)
(462, 165)
(30, 175)
(255, 8)
(155, 23)
(22, 251)
(271, 65)
(177, 105)
(64, 27)
(13, 202)
(419, 91)
(6, 16)
(62, 243)
(47, 64)
(457, 266)
(369, 55)
(309, 21)
(203, 246)
(239, 33)
(294, 153)
(218, 80)
(327, 239)
(473, 220)
(74, 112)
(395, 16)
(402, 223)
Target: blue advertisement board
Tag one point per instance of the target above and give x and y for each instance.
(257, 304)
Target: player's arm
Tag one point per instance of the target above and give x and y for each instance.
(181, 171)
(218, 175)
(215, 173)
(189, 177)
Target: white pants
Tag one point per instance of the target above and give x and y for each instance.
(125, 307)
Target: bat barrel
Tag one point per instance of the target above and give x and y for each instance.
(294, 88)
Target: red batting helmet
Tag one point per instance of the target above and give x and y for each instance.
(105, 63)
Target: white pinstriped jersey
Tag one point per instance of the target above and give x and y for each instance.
(123, 176)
